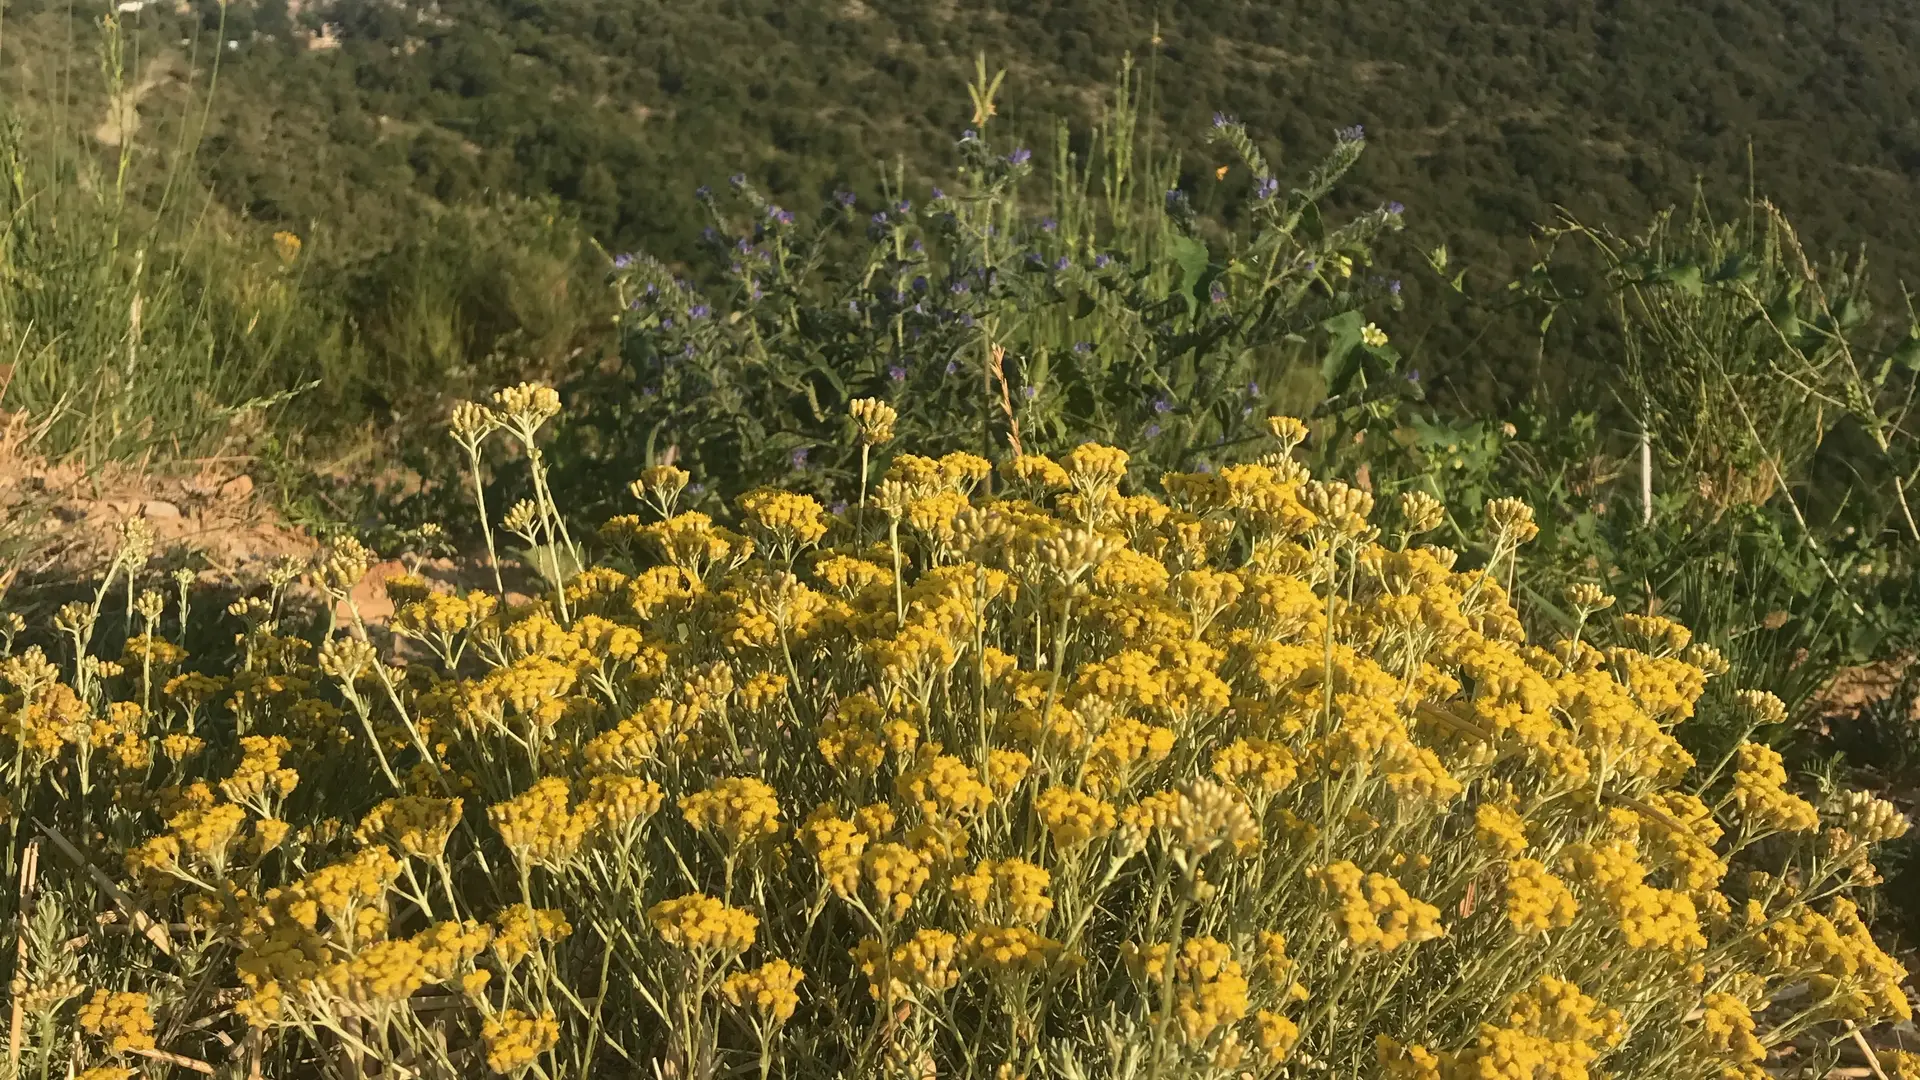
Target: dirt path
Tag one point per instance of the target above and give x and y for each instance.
(123, 109)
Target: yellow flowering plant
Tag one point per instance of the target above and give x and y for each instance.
(1054, 776)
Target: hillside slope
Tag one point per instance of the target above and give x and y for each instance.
(1482, 115)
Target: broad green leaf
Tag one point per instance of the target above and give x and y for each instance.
(1907, 353)
(1341, 362)
(1685, 277)
(1191, 255)
(555, 565)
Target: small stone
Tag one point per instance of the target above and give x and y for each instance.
(159, 510)
(237, 488)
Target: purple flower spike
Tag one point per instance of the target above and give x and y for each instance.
(1266, 188)
(798, 458)
(897, 373)
(1020, 156)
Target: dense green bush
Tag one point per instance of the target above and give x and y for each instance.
(996, 317)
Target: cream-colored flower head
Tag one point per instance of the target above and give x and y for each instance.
(1586, 598)
(1421, 512)
(875, 419)
(528, 405)
(473, 422)
(1290, 431)
(1511, 520)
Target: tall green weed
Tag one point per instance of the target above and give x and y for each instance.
(1016, 311)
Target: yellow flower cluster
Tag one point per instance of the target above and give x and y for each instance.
(896, 873)
(784, 518)
(1008, 951)
(518, 929)
(1209, 986)
(974, 735)
(1838, 954)
(1646, 917)
(699, 923)
(614, 802)
(415, 825)
(924, 962)
(1759, 794)
(1074, 817)
(515, 1039)
(121, 1018)
(942, 785)
(1552, 1032)
(770, 990)
(1011, 890)
(1729, 1029)
(1536, 900)
(743, 810)
(1374, 911)
(537, 825)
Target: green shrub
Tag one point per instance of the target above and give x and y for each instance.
(993, 316)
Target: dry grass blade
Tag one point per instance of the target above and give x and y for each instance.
(154, 932)
(29, 881)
